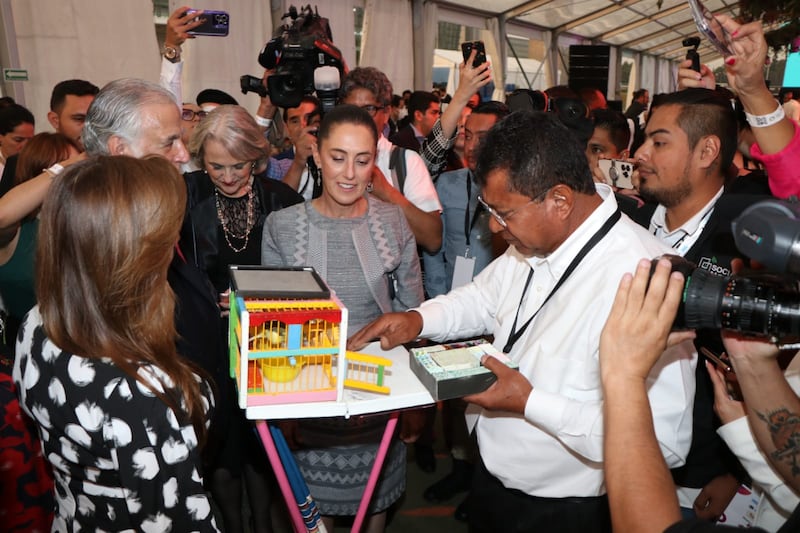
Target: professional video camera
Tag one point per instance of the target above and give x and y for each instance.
(765, 305)
(304, 58)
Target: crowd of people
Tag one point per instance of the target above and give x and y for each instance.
(121, 414)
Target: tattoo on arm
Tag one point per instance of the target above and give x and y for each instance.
(784, 427)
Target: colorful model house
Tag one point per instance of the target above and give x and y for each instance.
(287, 340)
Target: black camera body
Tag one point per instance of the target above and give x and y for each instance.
(300, 46)
(691, 53)
(761, 304)
(294, 76)
(252, 84)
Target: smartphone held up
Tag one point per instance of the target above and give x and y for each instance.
(710, 28)
(617, 173)
(480, 55)
(214, 23)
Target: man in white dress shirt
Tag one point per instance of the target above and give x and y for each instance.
(540, 430)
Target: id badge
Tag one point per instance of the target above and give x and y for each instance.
(463, 271)
(471, 416)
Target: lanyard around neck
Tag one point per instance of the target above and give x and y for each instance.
(469, 224)
(515, 334)
(687, 240)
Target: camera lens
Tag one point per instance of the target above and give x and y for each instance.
(284, 89)
(702, 301)
(290, 84)
(764, 305)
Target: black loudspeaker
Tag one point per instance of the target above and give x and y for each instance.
(588, 66)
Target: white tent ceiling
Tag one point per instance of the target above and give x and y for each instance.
(638, 25)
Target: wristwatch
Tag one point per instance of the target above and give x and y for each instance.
(171, 54)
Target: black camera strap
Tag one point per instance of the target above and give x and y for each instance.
(315, 176)
(515, 334)
(397, 164)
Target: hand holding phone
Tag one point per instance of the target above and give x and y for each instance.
(724, 381)
(617, 173)
(721, 363)
(711, 28)
(215, 24)
(480, 55)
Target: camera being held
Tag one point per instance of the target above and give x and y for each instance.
(760, 304)
(693, 43)
(304, 58)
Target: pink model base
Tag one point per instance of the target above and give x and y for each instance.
(254, 400)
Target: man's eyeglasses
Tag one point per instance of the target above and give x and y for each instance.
(188, 114)
(372, 109)
(502, 219)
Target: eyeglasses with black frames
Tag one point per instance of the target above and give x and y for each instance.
(189, 114)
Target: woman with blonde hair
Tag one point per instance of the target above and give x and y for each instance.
(121, 416)
(231, 196)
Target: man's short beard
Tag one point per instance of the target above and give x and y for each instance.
(667, 198)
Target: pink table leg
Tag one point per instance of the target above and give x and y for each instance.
(383, 449)
(272, 453)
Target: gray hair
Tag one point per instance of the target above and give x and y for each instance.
(116, 111)
(236, 130)
(368, 78)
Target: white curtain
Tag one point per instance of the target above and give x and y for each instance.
(494, 41)
(426, 30)
(96, 41)
(648, 74)
(218, 62)
(666, 79)
(550, 60)
(387, 41)
(613, 72)
(634, 80)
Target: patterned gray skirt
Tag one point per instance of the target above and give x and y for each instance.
(336, 458)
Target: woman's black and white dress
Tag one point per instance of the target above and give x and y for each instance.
(121, 459)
